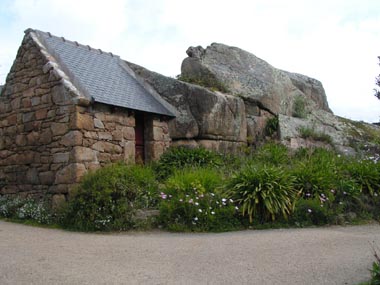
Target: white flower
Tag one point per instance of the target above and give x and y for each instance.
(200, 210)
(180, 200)
(196, 219)
(236, 208)
(224, 200)
(196, 204)
(309, 210)
(212, 213)
(231, 200)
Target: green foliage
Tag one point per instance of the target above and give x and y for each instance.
(108, 198)
(182, 157)
(375, 271)
(191, 202)
(25, 209)
(271, 126)
(366, 173)
(316, 172)
(272, 153)
(208, 81)
(309, 133)
(262, 192)
(310, 212)
(299, 107)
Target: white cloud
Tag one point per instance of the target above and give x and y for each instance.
(336, 41)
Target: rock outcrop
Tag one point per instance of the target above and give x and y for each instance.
(247, 76)
(225, 97)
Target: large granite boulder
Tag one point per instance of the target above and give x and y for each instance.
(202, 115)
(243, 74)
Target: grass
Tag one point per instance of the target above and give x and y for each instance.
(310, 133)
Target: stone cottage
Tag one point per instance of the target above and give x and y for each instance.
(66, 109)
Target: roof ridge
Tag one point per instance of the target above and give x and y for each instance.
(75, 43)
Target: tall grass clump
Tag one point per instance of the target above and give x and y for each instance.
(108, 198)
(315, 171)
(183, 157)
(262, 192)
(272, 153)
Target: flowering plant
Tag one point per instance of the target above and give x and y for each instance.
(196, 204)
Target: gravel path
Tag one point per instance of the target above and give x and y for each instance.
(332, 255)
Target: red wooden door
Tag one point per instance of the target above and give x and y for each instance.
(139, 138)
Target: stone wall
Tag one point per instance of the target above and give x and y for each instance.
(50, 135)
(32, 123)
(157, 137)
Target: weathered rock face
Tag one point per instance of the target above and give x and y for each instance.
(250, 77)
(202, 115)
(326, 130)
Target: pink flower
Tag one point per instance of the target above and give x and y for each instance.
(163, 195)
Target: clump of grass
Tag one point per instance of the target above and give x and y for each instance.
(299, 107)
(309, 133)
(271, 126)
(209, 82)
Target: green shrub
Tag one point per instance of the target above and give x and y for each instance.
(262, 192)
(108, 198)
(182, 157)
(299, 107)
(310, 211)
(191, 202)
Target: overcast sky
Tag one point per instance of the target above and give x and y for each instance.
(334, 41)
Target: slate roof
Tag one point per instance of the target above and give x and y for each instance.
(102, 76)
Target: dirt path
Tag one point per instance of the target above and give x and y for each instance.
(334, 255)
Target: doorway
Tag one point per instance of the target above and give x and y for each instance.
(139, 138)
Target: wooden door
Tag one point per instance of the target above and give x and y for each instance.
(139, 138)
